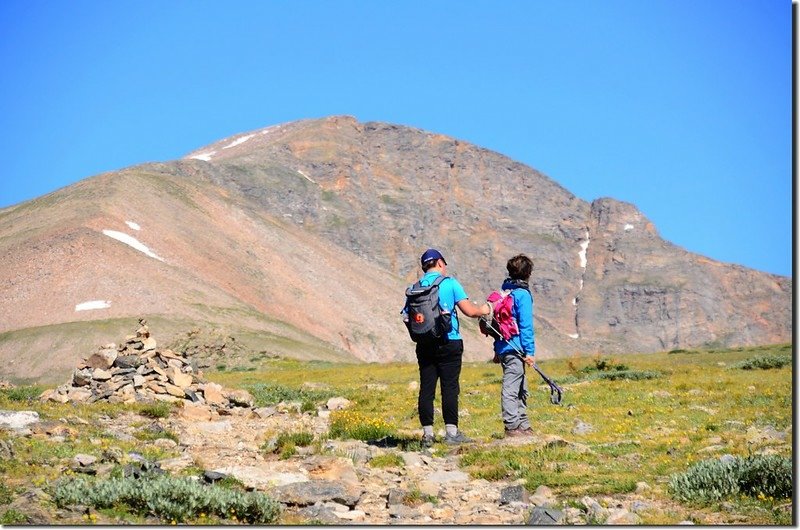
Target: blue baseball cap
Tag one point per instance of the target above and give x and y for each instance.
(431, 254)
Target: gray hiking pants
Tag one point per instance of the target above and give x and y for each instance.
(514, 394)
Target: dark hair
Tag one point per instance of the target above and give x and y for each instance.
(431, 263)
(520, 267)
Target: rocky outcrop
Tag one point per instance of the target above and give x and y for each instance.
(604, 279)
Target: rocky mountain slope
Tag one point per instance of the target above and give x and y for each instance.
(298, 239)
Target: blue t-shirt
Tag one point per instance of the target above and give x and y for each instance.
(450, 293)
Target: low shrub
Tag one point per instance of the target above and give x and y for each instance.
(347, 424)
(171, 499)
(387, 460)
(602, 364)
(762, 362)
(298, 439)
(154, 432)
(5, 494)
(632, 375)
(157, 410)
(13, 517)
(757, 475)
(24, 394)
(270, 394)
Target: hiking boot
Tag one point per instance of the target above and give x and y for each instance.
(459, 438)
(427, 440)
(518, 432)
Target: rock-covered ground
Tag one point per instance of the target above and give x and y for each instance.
(333, 482)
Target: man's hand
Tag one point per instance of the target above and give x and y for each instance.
(529, 361)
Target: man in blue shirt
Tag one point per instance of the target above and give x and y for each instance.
(442, 361)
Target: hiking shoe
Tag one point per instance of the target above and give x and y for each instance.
(459, 438)
(427, 440)
(518, 432)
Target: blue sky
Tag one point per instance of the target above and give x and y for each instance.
(682, 107)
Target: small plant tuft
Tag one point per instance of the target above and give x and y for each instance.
(387, 460)
(357, 426)
(22, 394)
(157, 410)
(13, 517)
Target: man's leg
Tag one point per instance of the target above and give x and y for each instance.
(427, 385)
(449, 365)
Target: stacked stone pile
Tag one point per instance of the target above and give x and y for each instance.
(137, 371)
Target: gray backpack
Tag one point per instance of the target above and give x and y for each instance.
(426, 321)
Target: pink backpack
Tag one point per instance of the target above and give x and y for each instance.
(503, 325)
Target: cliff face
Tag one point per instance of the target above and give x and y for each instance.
(304, 236)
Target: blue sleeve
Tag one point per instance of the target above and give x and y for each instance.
(457, 291)
(523, 304)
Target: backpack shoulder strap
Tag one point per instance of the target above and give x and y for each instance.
(439, 279)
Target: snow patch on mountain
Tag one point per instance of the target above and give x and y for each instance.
(133, 226)
(133, 242)
(238, 141)
(206, 157)
(93, 304)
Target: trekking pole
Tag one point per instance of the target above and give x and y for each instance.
(555, 390)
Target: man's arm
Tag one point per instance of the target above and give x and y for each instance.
(473, 310)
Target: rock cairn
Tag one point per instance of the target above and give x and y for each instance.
(137, 371)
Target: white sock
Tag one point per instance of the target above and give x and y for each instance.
(427, 430)
(451, 430)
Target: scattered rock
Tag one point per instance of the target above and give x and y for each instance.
(310, 492)
(240, 398)
(102, 359)
(581, 428)
(544, 516)
(338, 403)
(17, 420)
(395, 496)
(511, 494)
(593, 508)
(447, 477)
(319, 513)
(264, 412)
(211, 477)
(83, 460)
(129, 361)
(6, 450)
(621, 516)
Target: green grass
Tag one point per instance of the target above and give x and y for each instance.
(652, 415)
(644, 429)
(387, 460)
